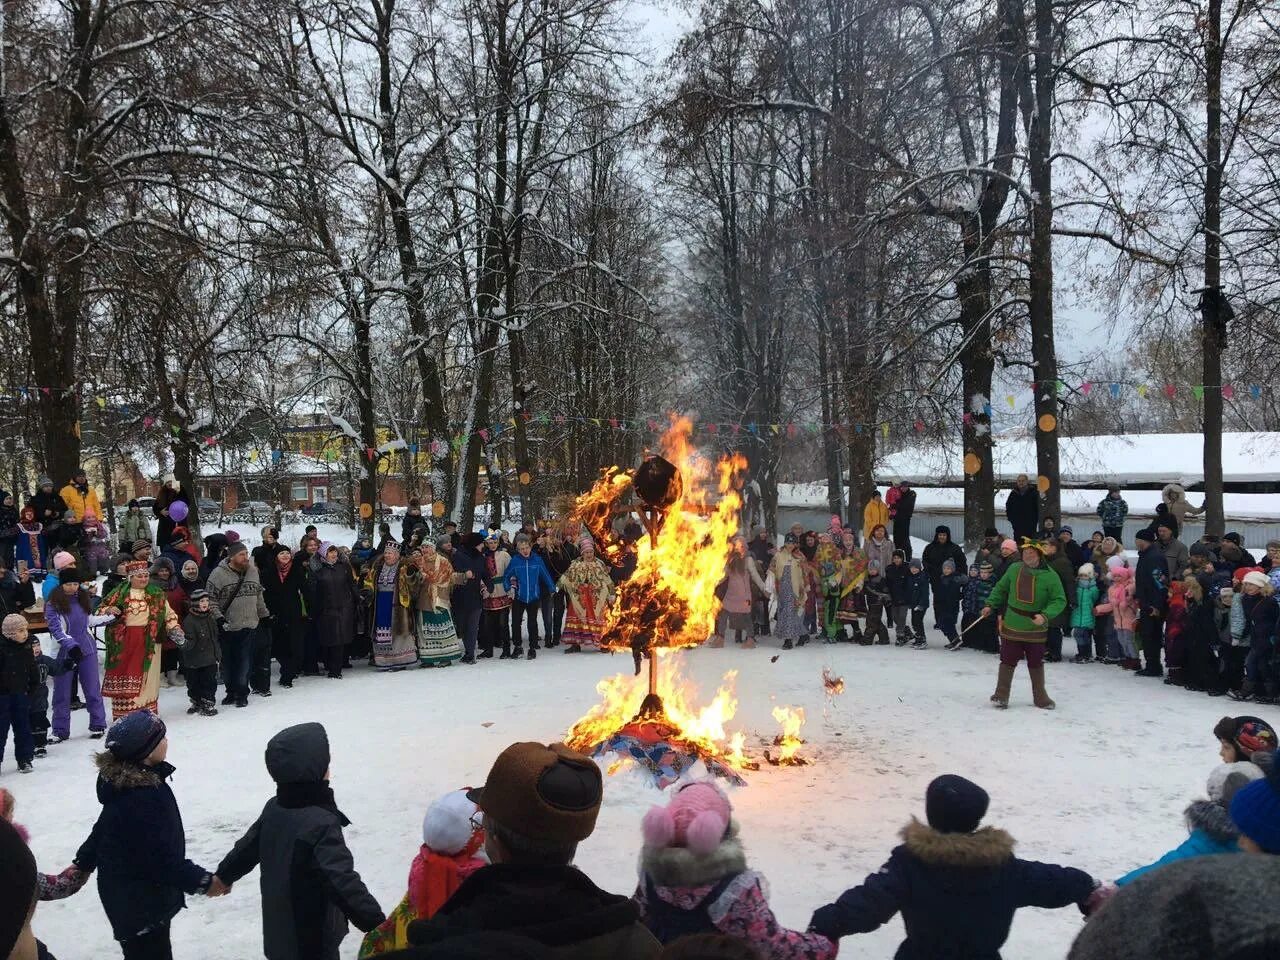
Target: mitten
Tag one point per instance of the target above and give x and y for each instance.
(826, 921)
(1098, 899)
(74, 656)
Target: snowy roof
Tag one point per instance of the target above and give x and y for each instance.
(238, 463)
(1133, 458)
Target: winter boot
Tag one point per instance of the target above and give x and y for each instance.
(954, 643)
(533, 653)
(802, 641)
(1174, 677)
(920, 644)
(749, 643)
(902, 640)
(787, 644)
(207, 709)
(1082, 658)
(194, 708)
(1039, 696)
(1246, 693)
(1004, 680)
(1270, 695)
(573, 648)
(1150, 670)
(716, 643)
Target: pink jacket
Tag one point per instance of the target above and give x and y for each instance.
(1121, 603)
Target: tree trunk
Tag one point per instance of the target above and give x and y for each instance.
(977, 365)
(364, 405)
(1213, 328)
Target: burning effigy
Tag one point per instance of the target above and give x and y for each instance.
(674, 517)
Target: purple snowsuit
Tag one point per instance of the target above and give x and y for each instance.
(72, 630)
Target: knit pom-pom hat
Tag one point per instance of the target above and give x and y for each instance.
(1008, 544)
(447, 828)
(697, 818)
(62, 560)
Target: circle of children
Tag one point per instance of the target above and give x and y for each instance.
(494, 875)
(1203, 617)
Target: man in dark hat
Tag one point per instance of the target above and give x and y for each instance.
(1151, 590)
(539, 802)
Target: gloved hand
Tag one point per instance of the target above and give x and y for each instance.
(826, 921)
(1098, 899)
(74, 656)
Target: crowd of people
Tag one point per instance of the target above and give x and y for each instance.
(494, 877)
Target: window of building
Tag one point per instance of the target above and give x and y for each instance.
(298, 493)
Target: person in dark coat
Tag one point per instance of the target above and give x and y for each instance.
(956, 886)
(1261, 615)
(283, 580)
(50, 508)
(918, 598)
(946, 601)
(8, 528)
(896, 579)
(1247, 559)
(138, 845)
(215, 551)
(466, 601)
(19, 680)
(170, 493)
(413, 519)
(16, 591)
(310, 887)
(938, 551)
(264, 555)
(903, 510)
(1068, 547)
(1056, 560)
(558, 553)
(1022, 507)
(1151, 590)
(335, 609)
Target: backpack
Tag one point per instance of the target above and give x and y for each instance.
(668, 922)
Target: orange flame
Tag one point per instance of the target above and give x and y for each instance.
(788, 742)
(702, 727)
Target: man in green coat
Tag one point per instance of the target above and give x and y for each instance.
(1031, 596)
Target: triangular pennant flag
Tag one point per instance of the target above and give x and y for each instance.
(253, 456)
(1115, 391)
(46, 391)
(712, 427)
(596, 421)
(791, 430)
(1198, 392)
(737, 428)
(1170, 390)
(512, 423)
(857, 428)
(559, 419)
(919, 426)
(613, 422)
(773, 428)
(1142, 390)
(751, 428)
(1255, 391)
(147, 421)
(275, 456)
(1228, 391)
(986, 410)
(1086, 388)
(484, 435)
(527, 416)
(1010, 400)
(101, 401)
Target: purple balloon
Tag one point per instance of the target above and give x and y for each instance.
(177, 511)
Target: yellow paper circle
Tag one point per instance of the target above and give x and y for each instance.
(524, 477)
(972, 463)
(366, 511)
(1042, 484)
(1047, 422)
(437, 508)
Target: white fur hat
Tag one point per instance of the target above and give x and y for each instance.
(1239, 773)
(1113, 562)
(1086, 570)
(447, 826)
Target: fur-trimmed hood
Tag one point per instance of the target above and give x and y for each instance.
(124, 775)
(985, 847)
(681, 867)
(1213, 819)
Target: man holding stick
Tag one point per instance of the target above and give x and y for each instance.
(1030, 595)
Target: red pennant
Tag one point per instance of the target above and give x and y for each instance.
(1086, 387)
(1228, 391)
(652, 424)
(712, 427)
(559, 419)
(484, 435)
(526, 416)
(1170, 390)
(45, 390)
(737, 428)
(968, 419)
(147, 422)
(209, 441)
(919, 426)
(613, 422)
(791, 429)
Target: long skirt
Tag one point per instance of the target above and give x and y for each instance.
(391, 650)
(438, 643)
(790, 620)
(580, 631)
(126, 685)
(851, 606)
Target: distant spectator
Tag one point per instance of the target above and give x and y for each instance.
(1022, 507)
(1175, 502)
(1175, 551)
(1112, 510)
(1069, 548)
(170, 493)
(1247, 559)
(903, 510)
(874, 514)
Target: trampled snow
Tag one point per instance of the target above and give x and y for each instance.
(1100, 783)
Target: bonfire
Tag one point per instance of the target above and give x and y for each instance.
(679, 513)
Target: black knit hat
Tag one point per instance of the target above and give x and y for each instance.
(135, 735)
(954, 804)
(72, 575)
(17, 885)
(1146, 535)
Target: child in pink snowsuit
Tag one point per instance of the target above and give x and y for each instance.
(69, 623)
(1123, 607)
(694, 879)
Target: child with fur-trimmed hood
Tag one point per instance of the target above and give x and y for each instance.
(694, 879)
(956, 885)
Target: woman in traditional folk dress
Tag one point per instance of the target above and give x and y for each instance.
(438, 643)
(827, 565)
(395, 585)
(853, 573)
(588, 588)
(792, 583)
(134, 641)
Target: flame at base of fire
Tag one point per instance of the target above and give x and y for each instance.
(788, 741)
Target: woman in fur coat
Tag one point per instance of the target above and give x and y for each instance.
(694, 879)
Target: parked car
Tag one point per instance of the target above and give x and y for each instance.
(208, 508)
(330, 509)
(253, 511)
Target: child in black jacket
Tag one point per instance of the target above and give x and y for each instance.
(956, 886)
(918, 598)
(879, 602)
(895, 579)
(19, 679)
(200, 656)
(310, 887)
(46, 667)
(946, 602)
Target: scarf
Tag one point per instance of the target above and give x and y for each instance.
(434, 877)
(282, 571)
(295, 796)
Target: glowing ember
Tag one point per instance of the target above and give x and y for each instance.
(833, 684)
(788, 741)
(701, 728)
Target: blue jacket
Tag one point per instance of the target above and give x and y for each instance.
(976, 591)
(529, 574)
(946, 598)
(957, 893)
(139, 848)
(1211, 832)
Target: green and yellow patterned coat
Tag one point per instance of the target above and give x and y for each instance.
(1022, 593)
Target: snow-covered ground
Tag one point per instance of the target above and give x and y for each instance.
(1100, 783)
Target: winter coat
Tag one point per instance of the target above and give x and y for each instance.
(1020, 604)
(681, 893)
(1121, 603)
(135, 526)
(466, 597)
(18, 671)
(1081, 615)
(558, 907)
(81, 502)
(881, 553)
(8, 518)
(495, 562)
(527, 579)
(946, 599)
(410, 523)
(1112, 511)
(1184, 912)
(247, 608)
(1175, 498)
(935, 554)
(918, 590)
(957, 893)
(50, 508)
(164, 526)
(875, 512)
(1151, 581)
(1177, 556)
(310, 887)
(904, 508)
(896, 578)
(1073, 552)
(215, 550)
(1067, 576)
(15, 596)
(1211, 832)
(284, 597)
(200, 646)
(138, 847)
(335, 604)
(1023, 510)
(1260, 617)
(976, 592)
